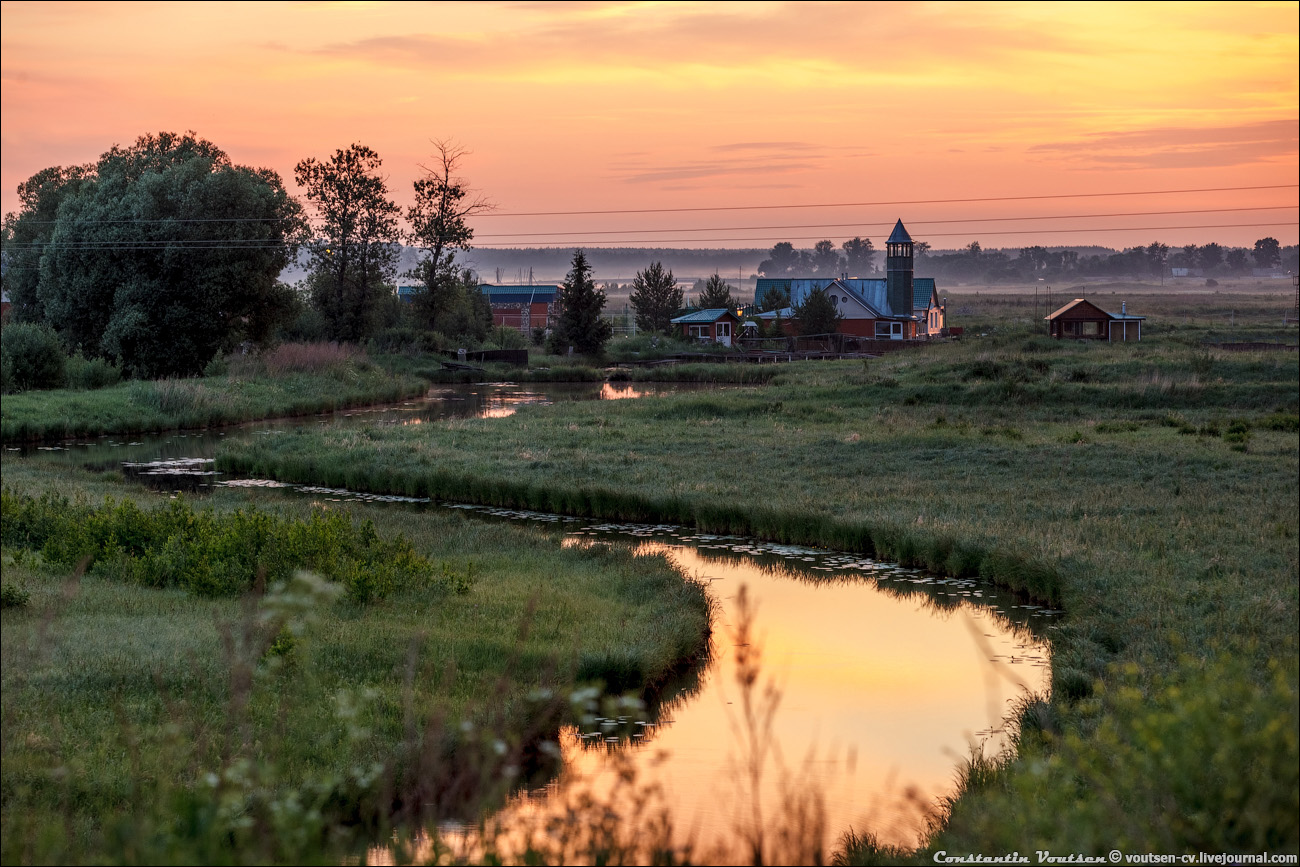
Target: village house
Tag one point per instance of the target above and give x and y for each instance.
(716, 325)
(900, 306)
(1083, 320)
(522, 306)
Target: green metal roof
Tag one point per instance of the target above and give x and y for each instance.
(517, 293)
(711, 315)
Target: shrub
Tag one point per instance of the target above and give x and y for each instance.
(33, 357)
(1287, 422)
(412, 341)
(507, 338)
(14, 596)
(215, 555)
(218, 366)
(91, 373)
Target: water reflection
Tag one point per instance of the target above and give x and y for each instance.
(609, 391)
(884, 678)
(881, 694)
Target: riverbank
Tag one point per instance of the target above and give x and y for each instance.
(321, 719)
(1151, 488)
(174, 404)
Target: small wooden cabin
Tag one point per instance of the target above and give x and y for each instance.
(1083, 320)
(716, 325)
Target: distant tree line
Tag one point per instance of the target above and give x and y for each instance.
(974, 262)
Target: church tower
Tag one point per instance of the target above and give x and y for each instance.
(898, 271)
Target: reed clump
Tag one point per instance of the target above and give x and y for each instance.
(313, 358)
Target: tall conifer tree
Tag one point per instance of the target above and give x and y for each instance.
(580, 324)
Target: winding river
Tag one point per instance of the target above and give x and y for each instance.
(882, 679)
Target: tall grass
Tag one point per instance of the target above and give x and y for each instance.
(312, 358)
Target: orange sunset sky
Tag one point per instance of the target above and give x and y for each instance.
(576, 106)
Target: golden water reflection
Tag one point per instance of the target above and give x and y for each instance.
(609, 391)
(881, 695)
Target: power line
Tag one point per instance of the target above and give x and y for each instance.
(1009, 232)
(226, 243)
(163, 246)
(219, 244)
(187, 220)
(861, 225)
(135, 220)
(883, 204)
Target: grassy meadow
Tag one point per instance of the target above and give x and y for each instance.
(1147, 489)
(147, 723)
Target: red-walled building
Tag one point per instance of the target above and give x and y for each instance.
(522, 306)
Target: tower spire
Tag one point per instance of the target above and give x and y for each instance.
(898, 271)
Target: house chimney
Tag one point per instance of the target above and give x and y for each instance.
(1123, 308)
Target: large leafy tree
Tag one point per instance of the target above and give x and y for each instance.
(816, 314)
(1268, 252)
(439, 221)
(858, 255)
(826, 260)
(655, 298)
(1211, 256)
(354, 261)
(580, 303)
(1157, 255)
(163, 253)
(716, 293)
(784, 260)
(27, 235)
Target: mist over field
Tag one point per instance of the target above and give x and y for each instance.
(739, 266)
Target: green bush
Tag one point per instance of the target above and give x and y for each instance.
(1204, 758)
(505, 337)
(211, 554)
(218, 366)
(33, 357)
(1287, 422)
(14, 596)
(411, 341)
(91, 373)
